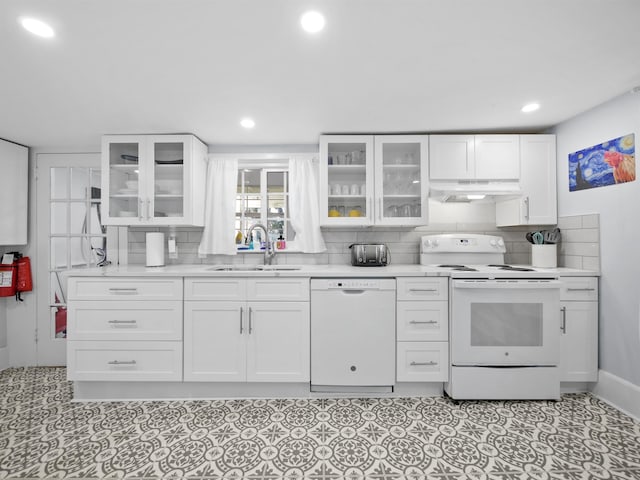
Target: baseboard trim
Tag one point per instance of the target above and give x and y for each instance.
(4, 358)
(620, 393)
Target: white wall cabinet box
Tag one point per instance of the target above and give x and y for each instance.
(153, 180)
(124, 329)
(422, 330)
(373, 180)
(14, 194)
(474, 157)
(538, 204)
(579, 329)
(257, 331)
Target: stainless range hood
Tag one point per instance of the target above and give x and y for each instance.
(472, 190)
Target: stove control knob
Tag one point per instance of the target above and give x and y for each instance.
(493, 243)
(500, 242)
(434, 242)
(426, 243)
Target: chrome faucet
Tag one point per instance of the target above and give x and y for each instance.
(269, 251)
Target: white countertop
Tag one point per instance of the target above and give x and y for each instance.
(205, 270)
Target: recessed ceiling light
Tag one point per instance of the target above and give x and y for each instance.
(247, 123)
(312, 21)
(37, 27)
(530, 107)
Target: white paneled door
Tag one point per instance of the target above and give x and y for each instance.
(69, 235)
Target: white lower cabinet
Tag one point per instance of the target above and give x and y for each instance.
(422, 330)
(260, 336)
(124, 329)
(579, 329)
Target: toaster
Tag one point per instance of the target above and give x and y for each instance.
(369, 254)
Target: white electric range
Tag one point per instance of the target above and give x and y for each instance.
(504, 320)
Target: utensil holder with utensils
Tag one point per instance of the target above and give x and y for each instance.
(544, 255)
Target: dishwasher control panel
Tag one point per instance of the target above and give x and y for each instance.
(356, 283)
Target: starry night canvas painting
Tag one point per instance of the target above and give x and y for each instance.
(604, 164)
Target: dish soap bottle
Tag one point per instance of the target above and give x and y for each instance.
(280, 244)
(239, 237)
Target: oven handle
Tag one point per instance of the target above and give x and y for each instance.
(507, 284)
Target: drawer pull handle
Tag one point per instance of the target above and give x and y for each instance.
(428, 322)
(241, 313)
(121, 362)
(250, 321)
(416, 364)
(423, 289)
(124, 291)
(580, 289)
(563, 325)
(123, 322)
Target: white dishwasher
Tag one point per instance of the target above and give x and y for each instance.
(353, 334)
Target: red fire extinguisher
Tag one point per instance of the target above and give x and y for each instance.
(15, 277)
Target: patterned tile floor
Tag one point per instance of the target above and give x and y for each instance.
(44, 435)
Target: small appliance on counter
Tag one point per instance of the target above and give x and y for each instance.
(155, 249)
(369, 254)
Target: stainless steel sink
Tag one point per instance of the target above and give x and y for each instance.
(253, 268)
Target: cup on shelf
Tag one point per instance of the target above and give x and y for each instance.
(392, 211)
(345, 189)
(363, 189)
(355, 189)
(336, 189)
(415, 210)
(355, 211)
(405, 210)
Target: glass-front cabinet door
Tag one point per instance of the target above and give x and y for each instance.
(168, 180)
(121, 164)
(401, 179)
(346, 180)
(154, 179)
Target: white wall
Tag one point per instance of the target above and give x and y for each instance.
(619, 231)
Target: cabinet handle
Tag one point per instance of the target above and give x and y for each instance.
(429, 322)
(380, 208)
(241, 312)
(250, 322)
(423, 289)
(369, 212)
(120, 362)
(526, 204)
(563, 325)
(148, 209)
(124, 291)
(416, 364)
(140, 209)
(580, 289)
(123, 322)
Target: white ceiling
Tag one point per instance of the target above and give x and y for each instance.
(199, 66)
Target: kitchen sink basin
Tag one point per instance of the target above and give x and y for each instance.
(253, 268)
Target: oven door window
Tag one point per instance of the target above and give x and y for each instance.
(506, 324)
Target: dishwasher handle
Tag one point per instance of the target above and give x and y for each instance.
(353, 291)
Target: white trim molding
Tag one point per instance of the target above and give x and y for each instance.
(618, 392)
(4, 358)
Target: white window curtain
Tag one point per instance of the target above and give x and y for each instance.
(218, 236)
(303, 205)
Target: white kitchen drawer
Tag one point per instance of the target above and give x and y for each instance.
(579, 288)
(422, 362)
(124, 361)
(126, 320)
(124, 288)
(227, 289)
(422, 321)
(411, 288)
(287, 289)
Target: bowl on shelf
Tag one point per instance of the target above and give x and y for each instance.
(131, 184)
(127, 213)
(170, 186)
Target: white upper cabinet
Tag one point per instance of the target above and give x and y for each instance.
(367, 180)
(538, 204)
(14, 163)
(474, 157)
(153, 179)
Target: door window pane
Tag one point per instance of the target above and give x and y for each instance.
(58, 214)
(59, 182)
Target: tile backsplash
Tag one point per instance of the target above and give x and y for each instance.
(579, 247)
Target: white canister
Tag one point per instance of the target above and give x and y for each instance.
(544, 256)
(155, 249)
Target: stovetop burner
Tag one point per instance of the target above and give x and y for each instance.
(459, 268)
(511, 268)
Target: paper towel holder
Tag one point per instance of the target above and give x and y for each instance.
(155, 249)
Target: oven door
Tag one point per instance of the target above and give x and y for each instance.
(505, 322)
